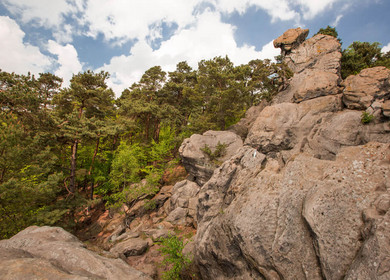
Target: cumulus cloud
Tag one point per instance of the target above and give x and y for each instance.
(15, 55)
(68, 61)
(277, 9)
(208, 38)
(386, 48)
(128, 20)
(47, 13)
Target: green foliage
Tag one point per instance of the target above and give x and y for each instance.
(171, 248)
(150, 204)
(60, 147)
(331, 31)
(361, 55)
(220, 151)
(366, 117)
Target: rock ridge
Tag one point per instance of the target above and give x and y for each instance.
(307, 194)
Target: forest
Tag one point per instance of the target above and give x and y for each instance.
(65, 149)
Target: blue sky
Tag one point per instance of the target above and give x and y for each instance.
(127, 37)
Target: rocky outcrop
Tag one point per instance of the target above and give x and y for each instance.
(258, 219)
(370, 86)
(316, 67)
(197, 162)
(308, 194)
(182, 206)
(291, 39)
(53, 253)
(130, 247)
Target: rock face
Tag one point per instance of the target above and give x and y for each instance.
(308, 194)
(183, 203)
(370, 85)
(197, 162)
(316, 64)
(291, 39)
(53, 253)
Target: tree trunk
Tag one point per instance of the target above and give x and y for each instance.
(91, 167)
(72, 184)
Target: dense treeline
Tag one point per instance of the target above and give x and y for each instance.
(61, 148)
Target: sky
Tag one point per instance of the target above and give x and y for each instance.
(127, 37)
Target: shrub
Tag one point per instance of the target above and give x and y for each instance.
(171, 248)
(366, 117)
(220, 151)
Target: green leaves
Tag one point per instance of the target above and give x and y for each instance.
(171, 248)
(361, 55)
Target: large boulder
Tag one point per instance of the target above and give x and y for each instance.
(291, 39)
(283, 126)
(369, 85)
(197, 162)
(53, 253)
(130, 247)
(260, 220)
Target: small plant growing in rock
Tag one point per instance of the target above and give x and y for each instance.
(171, 248)
(150, 204)
(220, 151)
(366, 117)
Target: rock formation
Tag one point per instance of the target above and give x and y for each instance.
(291, 39)
(308, 194)
(298, 189)
(53, 253)
(196, 160)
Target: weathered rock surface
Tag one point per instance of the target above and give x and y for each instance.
(316, 64)
(321, 52)
(251, 224)
(243, 126)
(196, 162)
(183, 203)
(53, 253)
(291, 39)
(130, 247)
(308, 195)
(369, 85)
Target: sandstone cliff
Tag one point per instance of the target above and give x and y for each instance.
(307, 195)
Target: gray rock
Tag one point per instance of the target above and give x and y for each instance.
(130, 247)
(316, 67)
(386, 108)
(310, 84)
(57, 254)
(321, 52)
(243, 126)
(178, 216)
(197, 163)
(301, 222)
(363, 89)
(283, 126)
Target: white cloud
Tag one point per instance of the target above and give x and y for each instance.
(46, 13)
(15, 55)
(386, 48)
(277, 9)
(127, 20)
(337, 20)
(208, 38)
(312, 8)
(68, 61)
